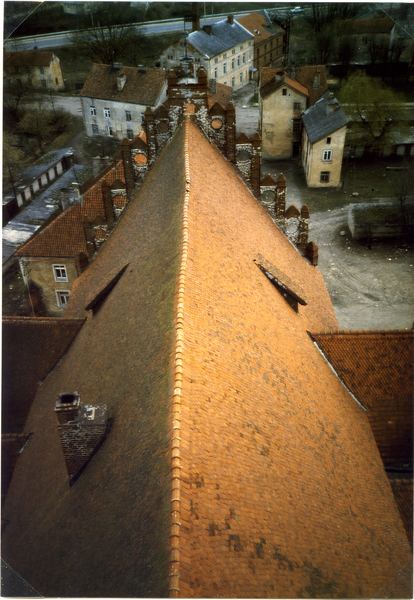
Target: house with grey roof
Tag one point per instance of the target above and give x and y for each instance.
(224, 49)
(324, 130)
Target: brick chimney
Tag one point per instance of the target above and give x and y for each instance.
(82, 430)
(230, 19)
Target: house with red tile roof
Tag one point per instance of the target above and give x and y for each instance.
(280, 118)
(282, 101)
(220, 453)
(114, 98)
(270, 40)
(37, 69)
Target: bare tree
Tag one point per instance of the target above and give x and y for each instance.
(347, 51)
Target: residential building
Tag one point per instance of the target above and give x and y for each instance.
(324, 131)
(224, 50)
(279, 93)
(282, 101)
(270, 41)
(38, 69)
(114, 99)
(217, 452)
(41, 211)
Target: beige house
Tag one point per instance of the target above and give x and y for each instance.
(35, 69)
(281, 103)
(224, 50)
(114, 99)
(324, 130)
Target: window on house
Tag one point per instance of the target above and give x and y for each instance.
(241, 47)
(42, 71)
(258, 52)
(238, 61)
(244, 57)
(93, 110)
(233, 82)
(296, 125)
(233, 51)
(60, 273)
(296, 106)
(44, 83)
(233, 63)
(284, 92)
(56, 81)
(128, 116)
(225, 55)
(327, 155)
(95, 130)
(328, 140)
(130, 134)
(265, 47)
(215, 72)
(224, 68)
(325, 176)
(62, 298)
(107, 112)
(109, 131)
(241, 77)
(215, 60)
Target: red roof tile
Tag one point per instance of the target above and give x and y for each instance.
(259, 26)
(269, 84)
(42, 58)
(140, 87)
(377, 367)
(31, 348)
(273, 485)
(64, 237)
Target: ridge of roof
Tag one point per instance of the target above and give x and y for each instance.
(257, 19)
(223, 37)
(175, 405)
(366, 332)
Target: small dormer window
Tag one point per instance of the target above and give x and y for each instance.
(287, 288)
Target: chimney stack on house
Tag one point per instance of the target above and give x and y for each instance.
(207, 29)
(120, 81)
(230, 19)
(82, 429)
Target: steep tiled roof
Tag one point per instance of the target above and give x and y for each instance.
(65, 237)
(140, 87)
(222, 95)
(403, 494)
(306, 76)
(320, 122)
(273, 484)
(272, 84)
(31, 348)
(377, 367)
(259, 25)
(24, 59)
(223, 37)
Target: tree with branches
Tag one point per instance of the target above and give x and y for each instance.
(373, 108)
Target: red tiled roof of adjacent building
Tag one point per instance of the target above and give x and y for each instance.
(259, 26)
(269, 83)
(31, 348)
(140, 87)
(307, 75)
(41, 58)
(226, 419)
(377, 367)
(64, 237)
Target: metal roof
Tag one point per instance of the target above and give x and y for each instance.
(223, 37)
(320, 122)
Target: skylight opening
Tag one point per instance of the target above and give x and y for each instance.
(280, 282)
